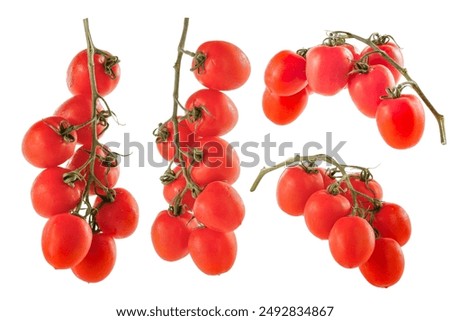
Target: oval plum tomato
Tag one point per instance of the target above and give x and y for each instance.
(172, 189)
(99, 261)
(220, 162)
(49, 142)
(285, 73)
(170, 235)
(351, 241)
(386, 264)
(401, 121)
(327, 68)
(366, 89)
(211, 113)
(78, 110)
(392, 221)
(282, 110)
(322, 210)
(66, 240)
(393, 51)
(294, 187)
(106, 169)
(165, 136)
(107, 73)
(212, 252)
(219, 207)
(370, 188)
(119, 217)
(50, 195)
(221, 65)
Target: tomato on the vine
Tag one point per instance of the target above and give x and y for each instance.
(294, 187)
(172, 189)
(392, 221)
(392, 50)
(401, 121)
(351, 241)
(386, 264)
(327, 68)
(51, 195)
(368, 187)
(107, 73)
(285, 73)
(211, 113)
(283, 110)
(49, 134)
(221, 65)
(213, 252)
(367, 88)
(165, 139)
(66, 240)
(99, 261)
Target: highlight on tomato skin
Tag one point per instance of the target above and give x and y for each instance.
(283, 110)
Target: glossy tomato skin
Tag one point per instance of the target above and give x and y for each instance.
(50, 195)
(213, 252)
(327, 68)
(99, 261)
(217, 113)
(322, 210)
(78, 110)
(294, 187)
(393, 51)
(285, 73)
(386, 264)
(225, 67)
(351, 241)
(66, 240)
(170, 235)
(220, 162)
(78, 75)
(172, 189)
(219, 207)
(401, 121)
(43, 145)
(166, 147)
(366, 89)
(120, 217)
(283, 110)
(392, 221)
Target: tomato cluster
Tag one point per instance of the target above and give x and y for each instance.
(204, 208)
(346, 209)
(76, 190)
(371, 77)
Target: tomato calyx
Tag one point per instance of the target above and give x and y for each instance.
(109, 63)
(199, 62)
(64, 130)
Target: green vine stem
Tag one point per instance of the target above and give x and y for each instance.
(342, 35)
(341, 168)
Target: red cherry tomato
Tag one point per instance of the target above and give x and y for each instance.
(212, 252)
(370, 188)
(386, 264)
(118, 218)
(50, 195)
(219, 207)
(392, 221)
(294, 187)
(211, 113)
(166, 146)
(393, 51)
(99, 261)
(355, 52)
(170, 235)
(285, 73)
(322, 210)
(48, 143)
(327, 179)
(78, 110)
(220, 162)
(172, 189)
(107, 74)
(351, 241)
(401, 121)
(366, 89)
(66, 240)
(327, 68)
(283, 110)
(225, 66)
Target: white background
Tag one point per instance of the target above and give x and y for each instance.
(279, 262)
